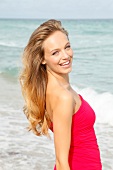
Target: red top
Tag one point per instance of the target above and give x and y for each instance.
(84, 153)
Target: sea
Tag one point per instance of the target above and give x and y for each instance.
(92, 77)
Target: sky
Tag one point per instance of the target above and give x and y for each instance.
(64, 9)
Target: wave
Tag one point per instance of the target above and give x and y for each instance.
(9, 110)
(11, 44)
(10, 73)
(102, 103)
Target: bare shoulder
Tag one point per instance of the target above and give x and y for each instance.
(62, 96)
(62, 104)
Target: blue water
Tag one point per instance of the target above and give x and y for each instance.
(92, 76)
(92, 42)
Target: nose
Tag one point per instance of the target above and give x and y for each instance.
(65, 55)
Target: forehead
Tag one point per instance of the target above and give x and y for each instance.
(57, 40)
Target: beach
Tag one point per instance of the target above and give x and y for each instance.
(92, 77)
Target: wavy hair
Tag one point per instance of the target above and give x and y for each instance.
(33, 77)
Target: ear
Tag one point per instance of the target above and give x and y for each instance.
(43, 62)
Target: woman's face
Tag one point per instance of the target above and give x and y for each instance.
(58, 53)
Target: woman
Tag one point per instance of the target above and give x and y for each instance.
(51, 103)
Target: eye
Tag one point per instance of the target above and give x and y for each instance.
(55, 53)
(68, 47)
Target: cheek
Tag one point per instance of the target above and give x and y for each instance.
(55, 60)
(71, 53)
(52, 62)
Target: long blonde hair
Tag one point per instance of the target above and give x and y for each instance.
(33, 78)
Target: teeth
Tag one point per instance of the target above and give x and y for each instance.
(65, 63)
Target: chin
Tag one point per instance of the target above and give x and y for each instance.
(67, 71)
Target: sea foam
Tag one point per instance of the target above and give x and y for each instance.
(102, 103)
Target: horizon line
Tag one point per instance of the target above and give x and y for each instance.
(59, 18)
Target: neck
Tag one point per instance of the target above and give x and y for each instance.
(62, 79)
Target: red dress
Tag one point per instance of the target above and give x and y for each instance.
(84, 153)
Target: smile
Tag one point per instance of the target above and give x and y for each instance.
(66, 63)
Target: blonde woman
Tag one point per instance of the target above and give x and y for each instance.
(51, 103)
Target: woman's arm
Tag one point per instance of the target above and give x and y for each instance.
(62, 119)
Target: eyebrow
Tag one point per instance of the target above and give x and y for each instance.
(58, 48)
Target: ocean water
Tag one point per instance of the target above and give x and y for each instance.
(92, 77)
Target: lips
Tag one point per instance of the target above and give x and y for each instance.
(65, 63)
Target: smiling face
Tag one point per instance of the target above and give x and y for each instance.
(58, 53)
